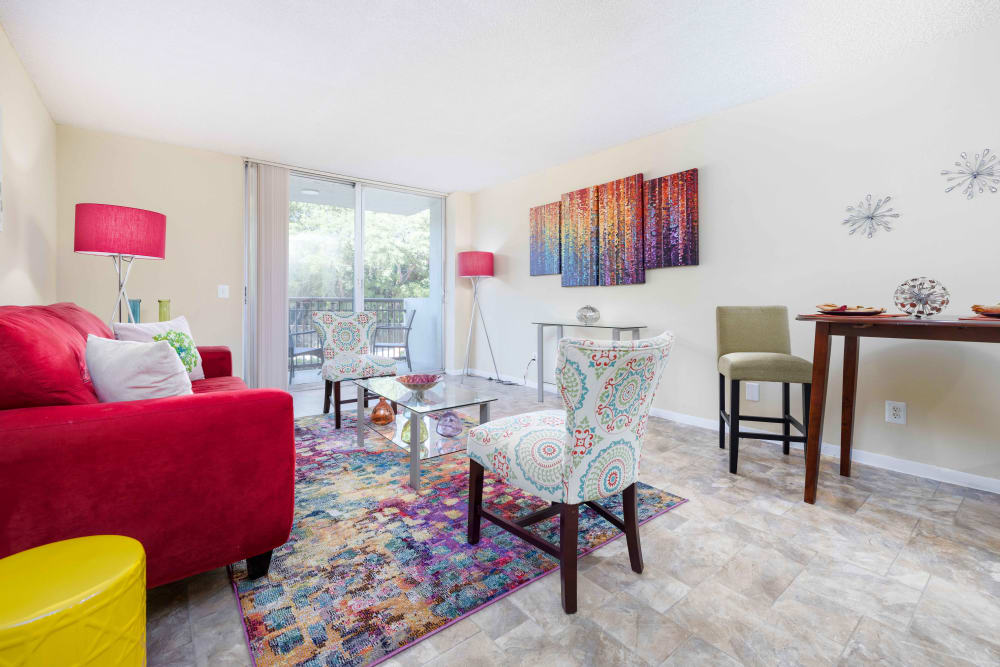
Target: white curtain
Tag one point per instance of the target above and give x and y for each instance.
(267, 276)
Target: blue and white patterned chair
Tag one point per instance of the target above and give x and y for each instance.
(346, 340)
(577, 456)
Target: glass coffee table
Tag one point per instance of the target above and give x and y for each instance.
(420, 405)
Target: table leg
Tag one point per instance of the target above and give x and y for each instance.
(484, 413)
(847, 403)
(821, 370)
(635, 334)
(416, 420)
(360, 426)
(616, 334)
(539, 362)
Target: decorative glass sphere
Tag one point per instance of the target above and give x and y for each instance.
(921, 297)
(588, 315)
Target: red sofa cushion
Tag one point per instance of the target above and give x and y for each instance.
(224, 383)
(43, 355)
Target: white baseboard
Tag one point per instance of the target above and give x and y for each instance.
(906, 466)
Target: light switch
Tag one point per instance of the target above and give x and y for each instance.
(223, 291)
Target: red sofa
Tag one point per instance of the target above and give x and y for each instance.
(201, 480)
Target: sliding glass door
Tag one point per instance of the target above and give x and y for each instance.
(354, 247)
(403, 267)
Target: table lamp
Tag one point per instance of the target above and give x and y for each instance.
(476, 265)
(123, 233)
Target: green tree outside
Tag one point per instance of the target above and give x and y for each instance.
(321, 252)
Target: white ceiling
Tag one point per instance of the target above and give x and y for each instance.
(443, 94)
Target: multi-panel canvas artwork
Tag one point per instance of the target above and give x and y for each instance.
(611, 234)
(619, 223)
(579, 237)
(671, 236)
(545, 241)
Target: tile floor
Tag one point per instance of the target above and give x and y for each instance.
(885, 568)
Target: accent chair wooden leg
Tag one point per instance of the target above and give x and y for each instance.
(326, 397)
(734, 424)
(336, 404)
(786, 407)
(722, 410)
(475, 501)
(257, 566)
(631, 512)
(569, 517)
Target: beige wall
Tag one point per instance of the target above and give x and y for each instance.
(458, 292)
(200, 192)
(775, 178)
(28, 239)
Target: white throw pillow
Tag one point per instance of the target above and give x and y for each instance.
(128, 371)
(175, 331)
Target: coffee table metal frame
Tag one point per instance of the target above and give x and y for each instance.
(420, 404)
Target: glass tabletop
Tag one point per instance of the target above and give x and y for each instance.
(595, 325)
(445, 396)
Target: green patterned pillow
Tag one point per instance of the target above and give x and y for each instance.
(183, 346)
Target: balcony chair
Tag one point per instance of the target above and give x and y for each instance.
(575, 456)
(346, 339)
(754, 346)
(301, 345)
(402, 331)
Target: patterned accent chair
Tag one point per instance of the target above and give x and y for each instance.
(346, 340)
(575, 456)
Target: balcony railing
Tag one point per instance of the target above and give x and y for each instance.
(303, 341)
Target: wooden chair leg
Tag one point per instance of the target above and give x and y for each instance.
(722, 409)
(475, 501)
(786, 407)
(631, 512)
(569, 518)
(326, 397)
(336, 404)
(734, 424)
(364, 392)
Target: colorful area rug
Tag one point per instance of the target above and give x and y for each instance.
(373, 567)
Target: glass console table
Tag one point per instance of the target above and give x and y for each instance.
(616, 334)
(443, 397)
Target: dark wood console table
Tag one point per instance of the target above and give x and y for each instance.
(979, 330)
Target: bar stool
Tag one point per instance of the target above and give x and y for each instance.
(754, 346)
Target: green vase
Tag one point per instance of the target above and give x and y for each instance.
(405, 435)
(164, 309)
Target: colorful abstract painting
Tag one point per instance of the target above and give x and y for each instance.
(545, 241)
(671, 220)
(619, 223)
(579, 238)
(373, 566)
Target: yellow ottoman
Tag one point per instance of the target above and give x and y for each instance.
(77, 602)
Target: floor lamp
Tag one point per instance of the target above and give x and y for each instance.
(123, 233)
(476, 265)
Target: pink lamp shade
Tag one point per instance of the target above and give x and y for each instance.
(103, 229)
(475, 263)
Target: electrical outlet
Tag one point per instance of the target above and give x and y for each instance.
(895, 412)
(753, 391)
(223, 291)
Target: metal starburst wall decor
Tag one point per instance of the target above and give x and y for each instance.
(868, 218)
(978, 174)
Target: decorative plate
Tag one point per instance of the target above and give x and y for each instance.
(419, 381)
(988, 311)
(834, 309)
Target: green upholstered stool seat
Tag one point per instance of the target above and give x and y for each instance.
(765, 367)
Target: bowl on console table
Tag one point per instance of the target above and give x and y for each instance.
(419, 381)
